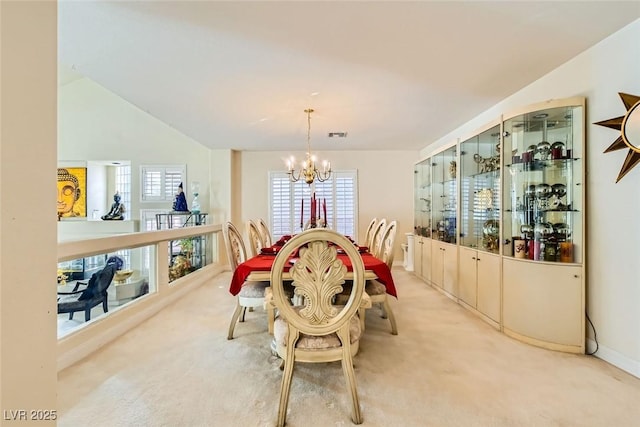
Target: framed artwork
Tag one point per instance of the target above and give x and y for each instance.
(72, 192)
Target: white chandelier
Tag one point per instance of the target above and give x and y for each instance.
(309, 172)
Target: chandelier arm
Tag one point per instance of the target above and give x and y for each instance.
(293, 177)
(324, 175)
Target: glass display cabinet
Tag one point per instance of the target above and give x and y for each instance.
(543, 219)
(422, 219)
(480, 191)
(444, 252)
(479, 245)
(422, 202)
(507, 223)
(445, 194)
(544, 186)
(188, 254)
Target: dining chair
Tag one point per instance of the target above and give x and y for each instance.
(370, 227)
(378, 291)
(317, 331)
(252, 294)
(376, 237)
(266, 233)
(254, 236)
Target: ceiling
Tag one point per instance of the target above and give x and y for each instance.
(393, 75)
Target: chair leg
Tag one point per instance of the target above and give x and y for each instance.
(392, 318)
(383, 311)
(361, 315)
(347, 369)
(105, 306)
(287, 375)
(234, 319)
(87, 314)
(271, 318)
(244, 312)
(71, 316)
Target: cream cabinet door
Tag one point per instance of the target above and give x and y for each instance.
(426, 259)
(544, 304)
(437, 262)
(488, 275)
(418, 244)
(450, 268)
(467, 276)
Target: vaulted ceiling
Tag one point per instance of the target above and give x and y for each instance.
(392, 74)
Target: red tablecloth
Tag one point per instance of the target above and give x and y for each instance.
(264, 263)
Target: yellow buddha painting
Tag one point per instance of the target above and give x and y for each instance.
(72, 192)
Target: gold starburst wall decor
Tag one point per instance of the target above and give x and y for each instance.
(629, 127)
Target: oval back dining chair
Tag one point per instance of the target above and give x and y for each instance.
(266, 234)
(369, 232)
(252, 294)
(376, 237)
(254, 236)
(317, 331)
(378, 291)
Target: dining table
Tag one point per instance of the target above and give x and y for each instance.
(258, 268)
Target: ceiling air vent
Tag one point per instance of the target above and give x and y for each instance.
(337, 134)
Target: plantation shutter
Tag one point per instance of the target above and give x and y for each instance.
(286, 198)
(160, 183)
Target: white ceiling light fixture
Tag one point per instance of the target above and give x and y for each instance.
(309, 172)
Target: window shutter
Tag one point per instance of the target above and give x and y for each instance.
(159, 183)
(172, 179)
(280, 198)
(345, 203)
(286, 197)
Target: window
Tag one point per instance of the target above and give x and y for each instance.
(159, 183)
(123, 186)
(339, 192)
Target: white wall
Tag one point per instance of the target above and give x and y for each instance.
(27, 214)
(613, 229)
(97, 189)
(97, 125)
(385, 186)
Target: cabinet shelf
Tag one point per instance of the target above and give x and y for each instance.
(446, 181)
(546, 210)
(489, 174)
(542, 164)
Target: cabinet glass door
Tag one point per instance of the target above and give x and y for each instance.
(422, 202)
(543, 191)
(480, 191)
(444, 205)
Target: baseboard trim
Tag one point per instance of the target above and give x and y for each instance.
(614, 358)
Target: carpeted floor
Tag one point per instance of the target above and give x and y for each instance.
(445, 368)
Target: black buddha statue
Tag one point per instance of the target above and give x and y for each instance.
(117, 210)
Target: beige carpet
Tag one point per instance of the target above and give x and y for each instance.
(445, 368)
